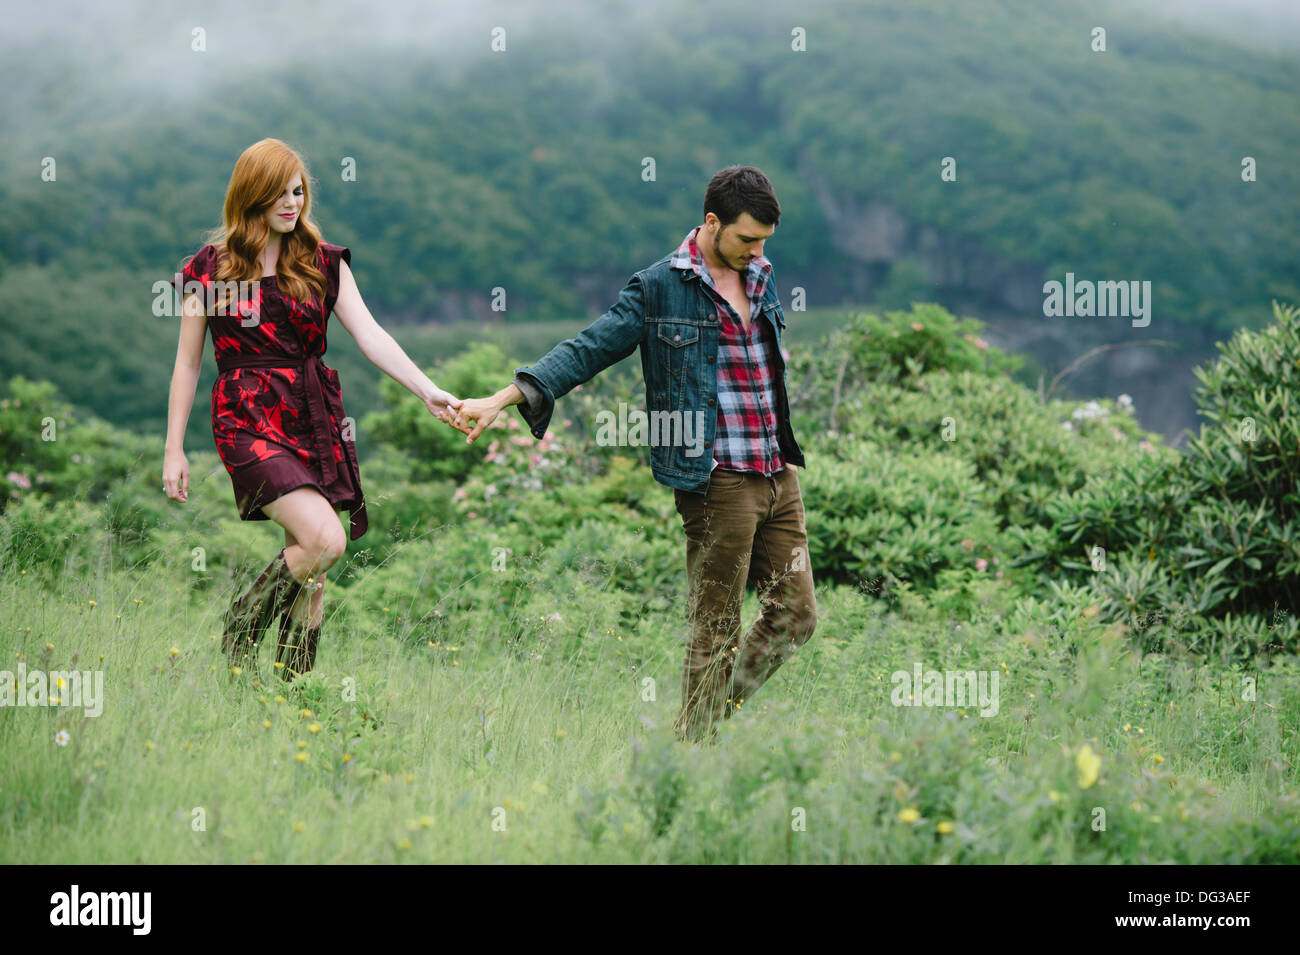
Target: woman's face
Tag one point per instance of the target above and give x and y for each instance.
(282, 217)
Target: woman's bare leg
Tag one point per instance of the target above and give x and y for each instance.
(309, 608)
(318, 537)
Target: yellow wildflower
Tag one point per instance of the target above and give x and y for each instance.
(1089, 765)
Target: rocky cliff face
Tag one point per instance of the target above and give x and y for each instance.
(873, 232)
(967, 278)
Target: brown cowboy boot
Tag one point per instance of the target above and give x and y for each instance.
(295, 654)
(250, 614)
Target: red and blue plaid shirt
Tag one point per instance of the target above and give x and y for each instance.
(746, 438)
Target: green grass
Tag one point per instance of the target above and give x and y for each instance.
(544, 722)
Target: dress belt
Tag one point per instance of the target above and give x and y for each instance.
(312, 370)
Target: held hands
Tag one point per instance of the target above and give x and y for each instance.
(442, 405)
(481, 411)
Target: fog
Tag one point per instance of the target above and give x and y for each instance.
(88, 58)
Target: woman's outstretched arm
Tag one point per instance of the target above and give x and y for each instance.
(185, 378)
(384, 352)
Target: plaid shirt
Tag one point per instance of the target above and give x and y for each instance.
(746, 438)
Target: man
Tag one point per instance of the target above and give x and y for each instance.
(708, 321)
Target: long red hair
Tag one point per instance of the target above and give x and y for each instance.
(261, 175)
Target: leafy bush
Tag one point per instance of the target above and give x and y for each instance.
(49, 448)
(64, 536)
(884, 517)
(931, 460)
(1212, 532)
(895, 350)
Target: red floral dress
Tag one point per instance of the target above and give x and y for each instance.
(277, 410)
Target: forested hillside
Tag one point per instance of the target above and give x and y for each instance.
(525, 170)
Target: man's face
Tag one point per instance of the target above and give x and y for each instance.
(737, 244)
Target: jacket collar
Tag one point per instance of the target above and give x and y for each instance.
(690, 261)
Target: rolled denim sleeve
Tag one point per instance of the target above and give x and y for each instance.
(537, 405)
(606, 341)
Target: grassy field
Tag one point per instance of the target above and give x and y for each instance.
(501, 656)
(547, 746)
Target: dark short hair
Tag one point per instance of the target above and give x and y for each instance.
(738, 189)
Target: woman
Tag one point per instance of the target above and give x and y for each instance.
(277, 411)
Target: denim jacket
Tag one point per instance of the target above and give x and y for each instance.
(669, 314)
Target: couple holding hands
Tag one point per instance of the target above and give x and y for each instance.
(706, 317)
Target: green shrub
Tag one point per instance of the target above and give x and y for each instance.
(65, 537)
(885, 517)
(918, 442)
(1211, 532)
(51, 449)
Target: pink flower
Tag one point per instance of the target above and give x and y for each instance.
(785, 354)
(491, 456)
(534, 460)
(981, 343)
(968, 544)
(918, 327)
(460, 494)
(21, 480)
(981, 564)
(512, 423)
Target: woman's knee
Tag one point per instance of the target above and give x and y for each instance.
(325, 546)
(332, 543)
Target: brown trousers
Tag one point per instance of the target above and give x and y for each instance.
(746, 529)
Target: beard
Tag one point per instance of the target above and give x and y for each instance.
(717, 251)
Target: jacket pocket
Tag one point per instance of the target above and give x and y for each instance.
(676, 348)
(678, 336)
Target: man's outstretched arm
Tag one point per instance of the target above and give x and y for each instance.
(607, 340)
